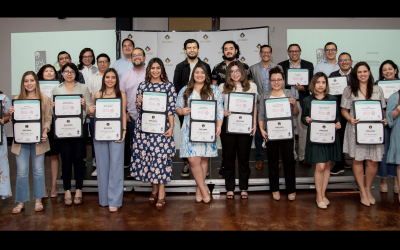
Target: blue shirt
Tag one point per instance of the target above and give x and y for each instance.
(326, 68)
(265, 76)
(123, 65)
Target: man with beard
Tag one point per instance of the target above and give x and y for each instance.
(182, 74)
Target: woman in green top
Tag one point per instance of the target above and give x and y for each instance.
(321, 154)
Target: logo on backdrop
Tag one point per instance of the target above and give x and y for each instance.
(222, 51)
(130, 36)
(147, 49)
(206, 60)
(40, 59)
(167, 37)
(320, 55)
(242, 59)
(242, 35)
(167, 60)
(258, 48)
(205, 37)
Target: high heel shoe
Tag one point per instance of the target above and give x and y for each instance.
(68, 200)
(371, 200)
(154, 198)
(162, 202)
(276, 197)
(366, 203)
(208, 198)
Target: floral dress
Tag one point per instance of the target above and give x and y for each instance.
(5, 187)
(151, 153)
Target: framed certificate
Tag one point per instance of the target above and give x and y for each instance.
(68, 127)
(280, 129)
(370, 133)
(27, 110)
(108, 108)
(154, 123)
(107, 130)
(154, 101)
(67, 105)
(368, 110)
(278, 108)
(241, 102)
(322, 132)
(27, 132)
(337, 84)
(389, 87)
(204, 110)
(294, 76)
(239, 123)
(201, 131)
(323, 110)
(47, 86)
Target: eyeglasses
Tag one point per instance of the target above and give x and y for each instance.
(294, 51)
(69, 72)
(266, 52)
(344, 60)
(102, 62)
(276, 81)
(235, 71)
(87, 57)
(192, 48)
(136, 55)
(330, 50)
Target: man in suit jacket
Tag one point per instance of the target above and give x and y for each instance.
(294, 52)
(260, 72)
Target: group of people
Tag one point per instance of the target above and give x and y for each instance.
(149, 155)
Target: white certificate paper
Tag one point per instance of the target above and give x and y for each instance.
(337, 85)
(368, 110)
(369, 133)
(277, 108)
(203, 110)
(241, 103)
(153, 123)
(202, 131)
(154, 101)
(28, 132)
(67, 105)
(240, 123)
(27, 110)
(108, 108)
(47, 86)
(323, 110)
(108, 130)
(279, 129)
(322, 132)
(389, 87)
(299, 76)
(68, 127)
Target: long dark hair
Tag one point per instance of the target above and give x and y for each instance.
(164, 77)
(229, 85)
(355, 83)
(80, 65)
(43, 68)
(206, 90)
(396, 76)
(116, 86)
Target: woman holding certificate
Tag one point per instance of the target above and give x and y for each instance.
(110, 154)
(72, 149)
(361, 88)
(30, 89)
(152, 152)
(277, 80)
(322, 154)
(237, 143)
(199, 88)
(5, 187)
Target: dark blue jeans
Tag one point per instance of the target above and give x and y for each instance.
(131, 129)
(91, 125)
(258, 141)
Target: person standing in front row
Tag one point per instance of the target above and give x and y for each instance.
(181, 78)
(361, 88)
(321, 154)
(277, 80)
(152, 153)
(300, 92)
(199, 88)
(260, 72)
(5, 186)
(110, 154)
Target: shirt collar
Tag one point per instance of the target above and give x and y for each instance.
(341, 72)
(290, 63)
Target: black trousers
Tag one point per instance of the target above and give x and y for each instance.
(286, 149)
(240, 145)
(181, 118)
(343, 123)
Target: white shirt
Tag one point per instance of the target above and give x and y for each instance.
(87, 73)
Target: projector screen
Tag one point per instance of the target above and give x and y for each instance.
(371, 46)
(30, 51)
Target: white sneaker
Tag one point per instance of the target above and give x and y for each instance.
(94, 172)
(94, 162)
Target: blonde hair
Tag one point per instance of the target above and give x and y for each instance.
(23, 94)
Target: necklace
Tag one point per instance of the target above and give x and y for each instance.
(109, 94)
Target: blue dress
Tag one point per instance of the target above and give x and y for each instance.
(151, 153)
(393, 156)
(5, 187)
(202, 149)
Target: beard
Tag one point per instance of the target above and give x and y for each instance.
(192, 57)
(138, 64)
(230, 59)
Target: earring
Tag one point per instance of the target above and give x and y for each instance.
(149, 75)
(162, 76)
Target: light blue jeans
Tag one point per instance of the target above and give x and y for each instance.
(22, 188)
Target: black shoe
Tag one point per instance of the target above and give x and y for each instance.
(337, 169)
(185, 170)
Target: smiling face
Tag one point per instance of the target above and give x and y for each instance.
(266, 54)
(49, 74)
(127, 48)
(29, 83)
(69, 74)
(230, 51)
(192, 50)
(294, 53)
(320, 85)
(330, 52)
(199, 75)
(345, 62)
(276, 81)
(138, 58)
(110, 79)
(103, 64)
(87, 58)
(63, 59)
(235, 73)
(155, 71)
(388, 71)
(363, 74)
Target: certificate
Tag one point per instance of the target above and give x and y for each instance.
(27, 132)
(108, 107)
(154, 101)
(107, 130)
(154, 123)
(323, 110)
(337, 84)
(278, 108)
(370, 133)
(203, 110)
(280, 129)
(69, 127)
(321, 132)
(389, 87)
(47, 86)
(295, 76)
(368, 110)
(239, 124)
(202, 131)
(26, 110)
(241, 102)
(67, 105)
